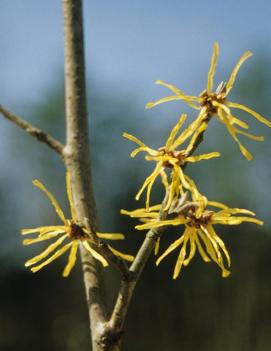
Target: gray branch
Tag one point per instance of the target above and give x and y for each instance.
(33, 131)
(77, 158)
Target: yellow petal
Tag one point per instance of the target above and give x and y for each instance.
(46, 252)
(71, 260)
(174, 131)
(42, 238)
(142, 149)
(208, 245)
(52, 258)
(178, 91)
(95, 254)
(59, 211)
(232, 132)
(164, 179)
(231, 211)
(187, 99)
(150, 225)
(192, 252)
(251, 136)
(142, 212)
(194, 159)
(233, 75)
(240, 123)
(69, 193)
(134, 139)
(43, 230)
(190, 129)
(255, 114)
(235, 220)
(200, 130)
(217, 204)
(125, 257)
(149, 183)
(213, 250)
(171, 248)
(157, 246)
(201, 250)
(174, 188)
(180, 260)
(111, 236)
(220, 243)
(212, 69)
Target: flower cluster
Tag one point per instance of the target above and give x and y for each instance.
(184, 205)
(71, 231)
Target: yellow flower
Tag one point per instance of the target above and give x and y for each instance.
(211, 102)
(71, 231)
(169, 157)
(199, 232)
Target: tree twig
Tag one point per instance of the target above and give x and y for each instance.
(33, 131)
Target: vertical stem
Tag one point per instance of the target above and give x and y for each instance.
(77, 157)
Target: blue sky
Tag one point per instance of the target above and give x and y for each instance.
(129, 44)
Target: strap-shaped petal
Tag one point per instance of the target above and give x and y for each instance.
(71, 259)
(150, 225)
(192, 241)
(255, 114)
(200, 130)
(218, 205)
(122, 255)
(149, 183)
(42, 238)
(251, 136)
(134, 139)
(43, 230)
(187, 99)
(234, 73)
(52, 258)
(194, 159)
(157, 246)
(46, 252)
(240, 123)
(181, 258)
(190, 129)
(232, 132)
(174, 132)
(234, 220)
(147, 149)
(212, 69)
(171, 248)
(231, 211)
(142, 212)
(95, 254)
(220, 242)
(203, 254)
(111, 236)
(58, 209)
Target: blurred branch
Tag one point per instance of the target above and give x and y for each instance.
(33, 131)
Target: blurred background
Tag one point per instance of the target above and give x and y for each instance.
(128, 46)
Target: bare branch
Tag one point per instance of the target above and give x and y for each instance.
(77, 158)
(33, 131)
